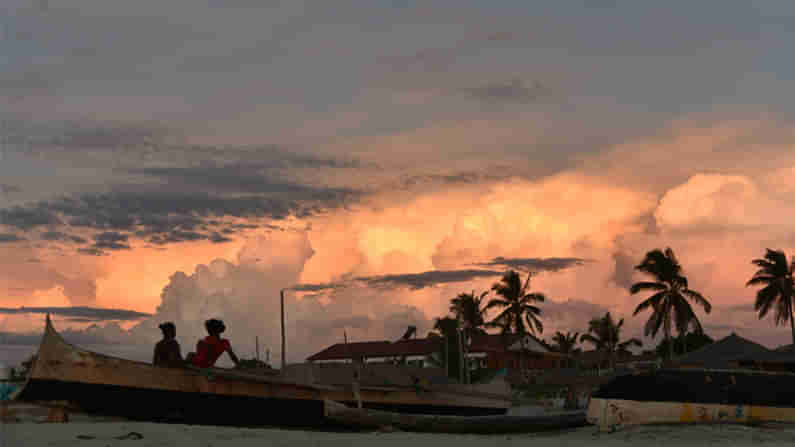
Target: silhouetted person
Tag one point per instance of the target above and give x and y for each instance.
(211, 347)
(167, 352)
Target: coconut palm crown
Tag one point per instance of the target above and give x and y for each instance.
(775, 275)
(669, 303)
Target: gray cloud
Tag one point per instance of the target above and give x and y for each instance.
(506, 92)
(91, 251)
(7, 237)
(239, 178)
(90, 313)
(9, 189)
(27, 218)
(534, 264)
(58, 236)
(316, 287)
(111, 240)
(623, 270)
(427, 279)
(218, 238)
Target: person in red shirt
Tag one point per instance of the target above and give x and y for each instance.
(211, 347)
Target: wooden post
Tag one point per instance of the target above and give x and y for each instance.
(283, 341)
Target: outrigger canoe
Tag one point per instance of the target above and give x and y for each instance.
(101, 384)
(374, 419)
(673, 396)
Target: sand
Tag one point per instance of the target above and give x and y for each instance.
(152, 435)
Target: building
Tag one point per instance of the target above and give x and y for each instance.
(415, 351)
(735, 352)
(484, 351)
(497, 351)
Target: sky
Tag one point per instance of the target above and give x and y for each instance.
(182, 160)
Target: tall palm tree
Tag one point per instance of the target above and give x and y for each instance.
(775, 274)
(566, 343)
(518, 313)
(470, 310)
(446, 328)
(669, 304)
(605, 335)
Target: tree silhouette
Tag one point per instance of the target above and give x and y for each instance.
(670, 306)
(605, 335)
(469, 309)
(566, 343)
(775, 274)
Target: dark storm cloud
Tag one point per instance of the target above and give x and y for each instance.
(111, 240)
(97, 135)
(8, 237)
(534, 264)
(427, 279)
(26, 218)
(63, 237)
(317, 287)
(239, 178)
(93, 313)
(9, 189)
(91, 251)
(218, 238)
(623, 270)
(514, 90)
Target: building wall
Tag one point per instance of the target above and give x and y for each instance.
(511, 360)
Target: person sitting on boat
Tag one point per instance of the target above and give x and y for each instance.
(167, 352)
(211, 347)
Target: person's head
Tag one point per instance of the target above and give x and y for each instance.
(214, 327)
(169, 330)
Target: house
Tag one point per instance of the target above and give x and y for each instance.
(483, 351)
(625, 361)
(512, 351)
(414, 350)
(735, 352)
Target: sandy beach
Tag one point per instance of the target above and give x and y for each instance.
(127, 434)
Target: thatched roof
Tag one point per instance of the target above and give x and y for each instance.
(724, 353)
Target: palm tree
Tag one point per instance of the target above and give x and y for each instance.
(446, 328)
(669, 304)
(469, 309)
(605, 335)
(775, 274)
(565, 343)
(518, 314)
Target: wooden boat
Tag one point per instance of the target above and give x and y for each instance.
(374, 419)
(101, 384)
(694, 396)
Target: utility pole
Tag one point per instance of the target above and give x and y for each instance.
(256, 343)
(283, 341)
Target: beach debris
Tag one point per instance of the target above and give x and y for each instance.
(133, 435)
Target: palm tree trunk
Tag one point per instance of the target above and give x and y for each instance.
(667, 329)
(792, 321)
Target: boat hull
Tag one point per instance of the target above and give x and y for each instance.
(102, 384)
(366, 418)
(694, 396)
(614, 414)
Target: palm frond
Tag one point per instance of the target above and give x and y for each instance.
(647, 285)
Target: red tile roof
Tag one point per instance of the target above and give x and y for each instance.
(413, 346)
(497, 342)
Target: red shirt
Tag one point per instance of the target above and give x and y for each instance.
(208, 351)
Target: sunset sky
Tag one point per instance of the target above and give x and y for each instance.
(185, 160)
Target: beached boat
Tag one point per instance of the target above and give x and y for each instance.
(107, 385)
(376, 419)
(673, 396)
